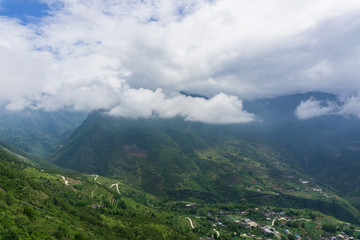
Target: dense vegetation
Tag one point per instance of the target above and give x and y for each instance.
(177, 160)
(41, 204)
(37, 132)
(171, 179)
(38, 205)
(325, 148)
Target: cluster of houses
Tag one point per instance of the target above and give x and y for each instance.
(267, 227)
(341, 236)
(309, 189)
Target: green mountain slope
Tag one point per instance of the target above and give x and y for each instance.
(177, 160)
(37, 132)
(40, 203)
(325, 148)
(142, 154)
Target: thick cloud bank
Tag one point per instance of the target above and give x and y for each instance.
(346, 106)
(133, 57)
(314, 108)
(145, 103)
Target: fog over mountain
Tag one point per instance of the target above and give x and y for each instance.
(132, 58)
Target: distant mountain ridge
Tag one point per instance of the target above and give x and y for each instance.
(326, 147)
(37, 132)
(280, 109)
(125, 147)
(176, 159)
(45, 203)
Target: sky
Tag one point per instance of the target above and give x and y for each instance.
(26, 10)
(133, 57)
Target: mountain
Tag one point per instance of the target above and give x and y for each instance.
(118, 178)
(140, 150)
(178, 160)
(325, 148)
(37, 132)
(47, 203)
(44, 204)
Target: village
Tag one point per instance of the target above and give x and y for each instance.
(267, 223)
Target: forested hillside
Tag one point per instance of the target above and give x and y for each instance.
(42, 204)
(39, 203)
(178, 160)
(38, 132)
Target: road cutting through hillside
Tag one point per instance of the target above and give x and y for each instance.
(66, 182)
(217, 232)
(302, 219)
(117, 187)
(273, 221)
(96, 176)
(191, 222)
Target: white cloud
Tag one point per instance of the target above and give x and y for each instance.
(22, 69)
(313, 108)
(351, 106)
(146, 103)
(345, 106)
(107, 53)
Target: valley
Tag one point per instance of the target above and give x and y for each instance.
(117, 178)
(179, 120)
(97, 211)
(167, 159)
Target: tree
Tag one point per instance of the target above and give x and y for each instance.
(331, 228)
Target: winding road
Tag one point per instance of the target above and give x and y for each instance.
(191, 222)
(66, 182)
(273, 221)
(217, 232)
(117, 187)
(302, 219)
(96, 176)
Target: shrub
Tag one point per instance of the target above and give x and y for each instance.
(292, 224)
(331, 228)
(79, 236)
(29, 212)
(9, 199)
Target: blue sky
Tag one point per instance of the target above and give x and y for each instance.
(25, 10)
